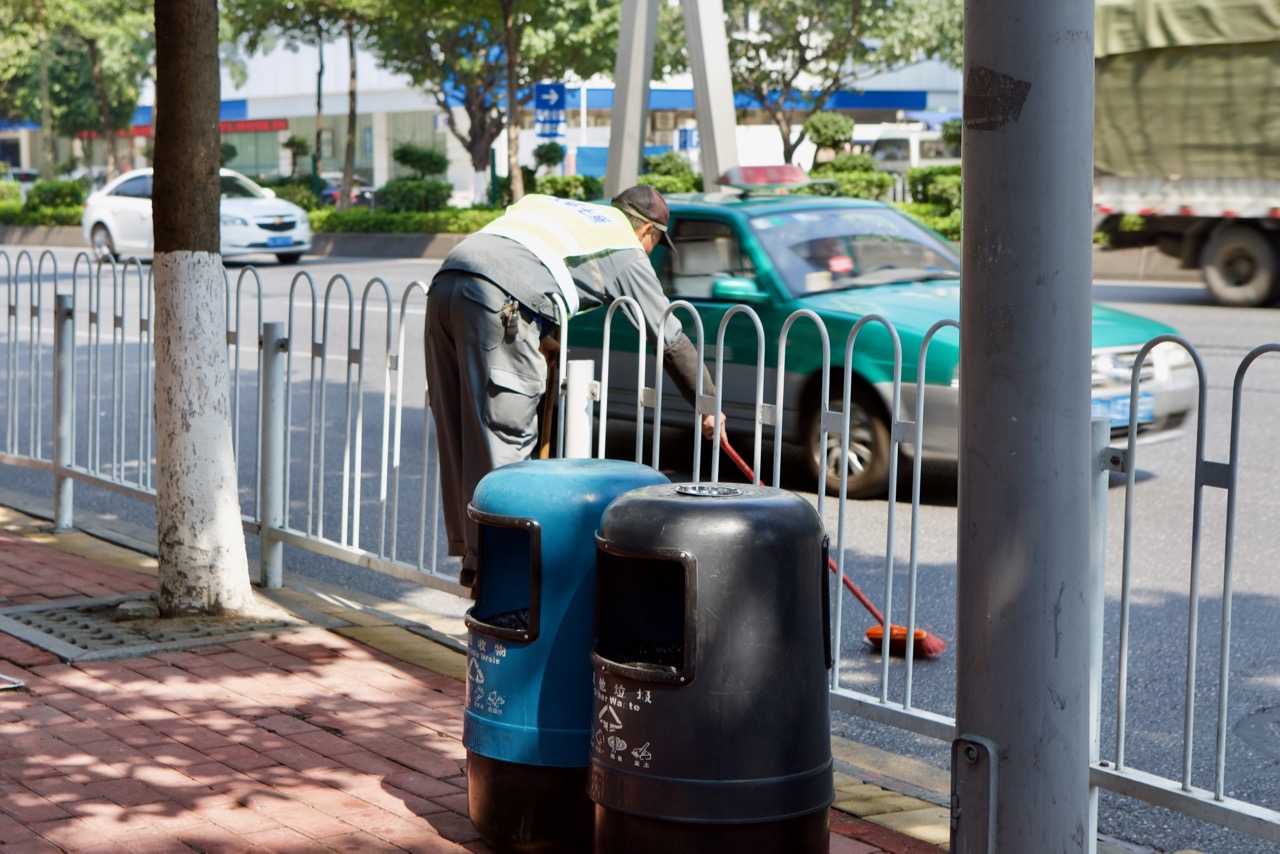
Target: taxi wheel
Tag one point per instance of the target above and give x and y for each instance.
(868, 460)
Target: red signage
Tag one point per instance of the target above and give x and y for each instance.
(254, 125)
(235, 126)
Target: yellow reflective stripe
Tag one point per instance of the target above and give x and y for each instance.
(556, 229)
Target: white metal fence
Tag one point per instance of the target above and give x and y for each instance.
(335, 457)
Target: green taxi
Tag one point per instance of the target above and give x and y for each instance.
(844, 259)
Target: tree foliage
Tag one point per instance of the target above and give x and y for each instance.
(97, 54)
(791, 56)
(468, 54)
(259, 25)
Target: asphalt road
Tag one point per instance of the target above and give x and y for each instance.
(1164, 498)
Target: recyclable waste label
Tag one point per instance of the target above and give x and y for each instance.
(482, 656)
(618, 704)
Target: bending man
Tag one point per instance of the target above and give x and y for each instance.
(491, 326)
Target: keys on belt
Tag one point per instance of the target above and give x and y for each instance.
(510, 315)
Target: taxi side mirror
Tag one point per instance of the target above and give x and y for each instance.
(738, 290)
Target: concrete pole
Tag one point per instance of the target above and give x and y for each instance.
(1023, 607)
(638, 28)
(712, 88)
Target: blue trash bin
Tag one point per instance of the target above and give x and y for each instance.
(527, 722)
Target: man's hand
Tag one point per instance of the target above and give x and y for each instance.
(709, 426)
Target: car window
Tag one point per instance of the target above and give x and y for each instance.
(134, 188)
(891, 150)
(235, 187)
(706, 250)
(815, 250)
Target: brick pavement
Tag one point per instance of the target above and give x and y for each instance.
(307, 741)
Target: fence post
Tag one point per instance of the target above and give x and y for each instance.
(577, 410)
(64, 367)
(1102, 467)
(272, 463)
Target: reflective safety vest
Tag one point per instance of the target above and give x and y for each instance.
(556, 229)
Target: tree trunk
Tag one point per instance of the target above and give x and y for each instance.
(316, 153)
(513, 106)
(46, 112)
(203, 567)
(349, 163)
(104, 106)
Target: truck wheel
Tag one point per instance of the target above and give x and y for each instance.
(1240, 267)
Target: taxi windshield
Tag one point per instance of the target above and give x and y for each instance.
(823, 249)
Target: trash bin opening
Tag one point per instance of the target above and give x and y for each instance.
(644, 625)
(508, 578)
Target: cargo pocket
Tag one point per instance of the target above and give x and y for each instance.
(511, 405)
(483, 327)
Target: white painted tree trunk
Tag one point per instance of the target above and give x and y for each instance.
(203, 566)
(480, 187)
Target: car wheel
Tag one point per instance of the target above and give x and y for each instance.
(104, 248)
(288, 257)
(868, 462)
(1240, 267)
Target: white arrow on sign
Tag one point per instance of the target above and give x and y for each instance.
(551, 96)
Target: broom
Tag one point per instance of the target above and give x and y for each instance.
(924, 645)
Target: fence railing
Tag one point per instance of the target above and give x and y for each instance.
(334, 451)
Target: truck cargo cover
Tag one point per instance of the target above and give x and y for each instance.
(1187, 88)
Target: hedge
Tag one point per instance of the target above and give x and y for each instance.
(16, 213)
(365, 221)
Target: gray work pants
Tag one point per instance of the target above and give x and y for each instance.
(484, 387)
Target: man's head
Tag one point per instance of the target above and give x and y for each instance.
(648, 213)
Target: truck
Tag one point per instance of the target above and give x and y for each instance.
(1187, 137)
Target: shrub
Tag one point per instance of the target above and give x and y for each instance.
(920, 178)
(10, 191)
(581, 187)
(55, 194)
(829, 130)
(944, 191)
(845, 162)
(13, 213)
(299, 194)
(946, 223)
(226, 153)
(857, 185)
(423, 162)
(668, 163)
(502, 186)
(407, 195)
(670, 173)
(365, 221)
(666, 184)
(550, 154)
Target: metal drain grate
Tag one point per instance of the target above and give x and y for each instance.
(93, 629)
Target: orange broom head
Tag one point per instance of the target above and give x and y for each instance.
(926, 645)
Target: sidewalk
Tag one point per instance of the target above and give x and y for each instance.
(340, 733)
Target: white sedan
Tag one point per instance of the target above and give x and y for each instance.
(117, 219)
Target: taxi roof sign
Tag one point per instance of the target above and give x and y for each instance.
(754, 178)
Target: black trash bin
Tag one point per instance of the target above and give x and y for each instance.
(712, 659)
(527, 721)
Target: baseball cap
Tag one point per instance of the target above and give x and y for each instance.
(645, 203)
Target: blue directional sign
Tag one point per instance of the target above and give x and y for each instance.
(549, 109)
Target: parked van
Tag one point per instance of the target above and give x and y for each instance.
(900, 146)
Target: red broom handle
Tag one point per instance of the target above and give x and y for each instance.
(848, 582)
